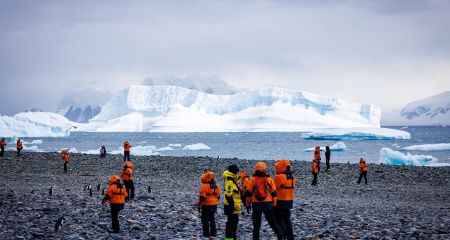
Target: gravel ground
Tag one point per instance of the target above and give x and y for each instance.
(400, 202)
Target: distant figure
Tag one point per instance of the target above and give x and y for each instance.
(126, 151)
(65, 157)
(262, 197)
(314, 171)
(317, 156)
(102, 151)
(232, 200)
(19, 146)
(127, 177)
(327, 157)
(116, 195)
(363, 168)
(285, 183)
(244, 184)
(207, 203)
(2, 146)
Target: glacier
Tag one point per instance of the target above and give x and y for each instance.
(35, 124)
(357, 134)
(143, 108)
(431, 111)
(429, 147)
(391, 157)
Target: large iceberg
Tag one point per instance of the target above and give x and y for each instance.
(178, 109)
(391, 157)
(429, 147)
(357, 134)
(35, 124)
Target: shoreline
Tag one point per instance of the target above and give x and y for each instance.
(398, 202)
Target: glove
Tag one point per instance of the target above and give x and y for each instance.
(103, 201)
(248, 210)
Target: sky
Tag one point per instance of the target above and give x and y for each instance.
(56, 53)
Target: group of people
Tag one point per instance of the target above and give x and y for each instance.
(19, 146)
(260, 194)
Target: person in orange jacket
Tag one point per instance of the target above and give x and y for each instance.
(19, 146)
(126, 151)
(207, 203)
(65, 157)
(363, 168)
(2, 146)
(127, 178)
(244, 185)
(116, 195)
(285, 183)
(314, 171)
(317, 156)
(261, 196)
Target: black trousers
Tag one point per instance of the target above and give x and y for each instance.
(115, 209)
(231, 226)
(256, 217)
(209, 221)
(129, 186)
(314, 181)
(283, 218)
(2, 151)
(126, 156)
(361, 175)
(328, 163)
(65, 167)
(18, 152)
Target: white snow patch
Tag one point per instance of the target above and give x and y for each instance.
(175, 145)
(339, 146)
(197, 146)
(429, 147)
(73, 150)
(165, 149)
(357, 134)
(391, 157)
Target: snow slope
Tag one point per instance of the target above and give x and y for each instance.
(34, 124)
(434, 110)
(210, 84)
(178, 109)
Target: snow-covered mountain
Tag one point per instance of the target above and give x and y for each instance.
(434, 110)
(34, 124)
(208, 84)
(81, 114)
(174, 108)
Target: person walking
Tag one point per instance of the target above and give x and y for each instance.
(285, 184)
(102, 151)
(127, 178)
(232, 201)
(314, 171)
(363, 168)
(65, 157)
(261, 197)
(116, 195)
(126, 151)
(19, 146)
(317, 156)
(207, 203)
(327, 156)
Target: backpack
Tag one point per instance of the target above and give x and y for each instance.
(261, 190)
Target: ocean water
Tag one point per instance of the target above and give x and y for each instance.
(251, 145)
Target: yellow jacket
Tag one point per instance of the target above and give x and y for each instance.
(232, 199)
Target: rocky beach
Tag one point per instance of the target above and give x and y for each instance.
(400, 202)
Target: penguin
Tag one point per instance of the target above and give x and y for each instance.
(59, 223)
(85, 187)
(218, 157)
(50, 191)
(98, 187)
(89, 187)
(32, 191)
(149, 189)
(90, 192)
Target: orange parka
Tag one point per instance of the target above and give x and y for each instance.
(116, 192)
(314, 167)
(127, 172)
(244, 181)
(317, 153)
(19, 144)
(65, 156)
(285, 183)
(2, 143)
(209, 192)
(363, 166)
(261, 181)
(126, 146)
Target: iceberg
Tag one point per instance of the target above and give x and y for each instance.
(391, 157)
(197, 146)
(177, 109)
(429, 147)
(35, 124)
(339, 146)
(357, 134)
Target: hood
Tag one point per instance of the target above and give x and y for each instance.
(227, 174)
(207, 177)
(281, 166)
(260, 167)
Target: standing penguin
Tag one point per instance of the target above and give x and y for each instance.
(59, 223)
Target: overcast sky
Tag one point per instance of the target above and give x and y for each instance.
(385, 52)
